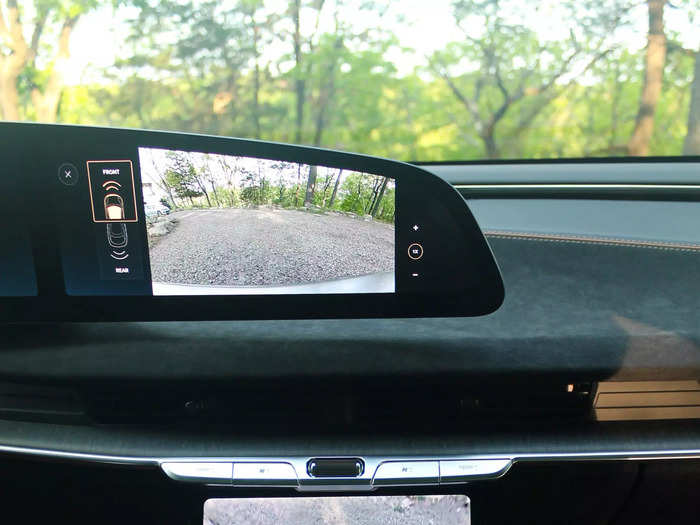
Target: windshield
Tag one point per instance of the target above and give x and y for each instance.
(413, 80)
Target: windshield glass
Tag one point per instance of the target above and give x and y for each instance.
(412, 80)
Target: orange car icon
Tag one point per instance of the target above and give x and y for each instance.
(114, 207)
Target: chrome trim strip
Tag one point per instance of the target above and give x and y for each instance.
(371, 462)
(599, 186)
(569, 190)
(530, 456)
(95, 458)
(584, 185)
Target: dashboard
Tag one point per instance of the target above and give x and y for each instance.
(582, 386)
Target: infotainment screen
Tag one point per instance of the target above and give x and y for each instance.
(229, 225)
(117, 224)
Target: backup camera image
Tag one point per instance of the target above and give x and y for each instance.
(229, 225)
(359, 510)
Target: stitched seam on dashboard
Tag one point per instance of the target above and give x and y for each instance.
(603, 241)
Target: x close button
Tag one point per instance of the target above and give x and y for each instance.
(68, 174)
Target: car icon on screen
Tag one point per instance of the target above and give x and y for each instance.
(114, 207)
(116, 235)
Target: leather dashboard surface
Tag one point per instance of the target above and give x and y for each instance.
(579, 308)
(595, 289)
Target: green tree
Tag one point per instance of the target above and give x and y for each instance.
(210, 65)
(691, 144)
(654, 63)
(181, 176)
(32, 70)
(507, 69)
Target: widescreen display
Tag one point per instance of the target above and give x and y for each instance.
(229, 225)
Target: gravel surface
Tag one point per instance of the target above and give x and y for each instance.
(257, 247)
(359, 510)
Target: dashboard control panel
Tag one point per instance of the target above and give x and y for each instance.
(375, 472)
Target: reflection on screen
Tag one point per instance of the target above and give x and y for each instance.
(224, 225)
(366, 510)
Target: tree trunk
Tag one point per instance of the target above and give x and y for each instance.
(310, 186)
(299, 84)
(490, 145)
(206, 194)
(10, 69)
(653, 79)
(216, 195)
(335, 189)
(164, 185)
(615, 108)
(375, 209)
(172, 197)
(326, 97)
(12, 64)
(326, 184)
(256, 80)
(46, 102)
(298, 185)
(691, 145)
(375, 193)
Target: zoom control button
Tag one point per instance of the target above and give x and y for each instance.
(201, 472)
(407, 473)
(459, 471)
(264, 474)
(415, 251)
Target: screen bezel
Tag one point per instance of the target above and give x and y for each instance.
(76, 144)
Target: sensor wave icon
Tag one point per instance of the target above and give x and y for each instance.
(119, 255)
(111, 185)
(117, 240)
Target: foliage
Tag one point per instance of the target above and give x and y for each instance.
(194, 179)
(324, 73)
(181, 176)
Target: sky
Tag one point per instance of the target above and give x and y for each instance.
(426, 26)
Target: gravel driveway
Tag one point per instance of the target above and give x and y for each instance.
(357, 510)
(258, 247)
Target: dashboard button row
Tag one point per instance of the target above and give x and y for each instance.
(433, 472)
(226, 473)
(201, 472)
(282, 474)
(407, 473)
(459, 471)
(261, 474)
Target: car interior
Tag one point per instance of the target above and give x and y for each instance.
(575, 400)
(206, 329)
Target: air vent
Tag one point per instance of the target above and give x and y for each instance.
(344, 408)
(639, 400)
(347, 409)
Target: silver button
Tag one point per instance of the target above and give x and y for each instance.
(407, 473)
(264, 474)
(456, 471)
(201, 472)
